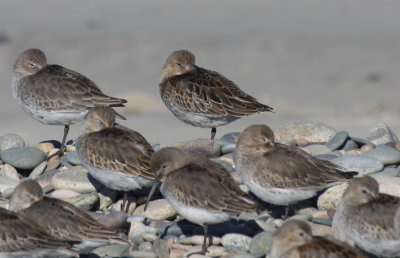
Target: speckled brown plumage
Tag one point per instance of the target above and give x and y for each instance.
(294, 240)
(272, 171)
(19, 233)
(115, 155)
(367, 218)
(201, 97)
(61, 219)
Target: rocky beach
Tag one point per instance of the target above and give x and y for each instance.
(157, 232)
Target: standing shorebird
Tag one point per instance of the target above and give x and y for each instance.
(54, 95)
(115, 155)
(280, 174)
(201, 97)
(294, 240)
(368, 218)
(61, 219)
(198, 189)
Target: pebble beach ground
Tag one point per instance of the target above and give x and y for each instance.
(248, 235)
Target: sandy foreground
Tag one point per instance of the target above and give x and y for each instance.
(336, 62)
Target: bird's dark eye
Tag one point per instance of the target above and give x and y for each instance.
(164, 166)
(98, 121)
(301, 234)
(32, 65)
(179, 65)
(364, 191)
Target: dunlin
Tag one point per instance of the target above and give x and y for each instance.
(116, 156)
(22, 237)
(279, 174)
(367, 218)
(61, 219)
(198, 191)
(201, 97)
(52, 94)
(294, 240)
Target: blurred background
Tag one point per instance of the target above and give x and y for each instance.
(336, 62)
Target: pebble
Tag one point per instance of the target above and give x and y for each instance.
(234, 242)
(310, 131)
(381, 134)
(158, 210)
(367, 147)
(10, 140)
(230, 137)
(361, 141)
(23, 157)
(137, 229)
(149, 237)
(320, 230)
(145, 246)
(6, 183)
(229, 148)
(63, 194)
(10, 172)
(37, 171)
(387, 155)
(260, 244)
(177, 253)
(107, 197)
(53, 164)
(327, 222)
(75, 178)
(350, 145)
(227, 161)
(203, 146)
(363, 165)
(389, 185)
(212, 251)
(316, 149)
(83, 201)
(320, 214)
(266, 222)
(46, 147)
(113, 250)
(47, 177)
(72, 157)
(142, 254)
(387, 172)
(331, 197)
(328, 156)
(198, 240)
(338, 140)
(160, 248)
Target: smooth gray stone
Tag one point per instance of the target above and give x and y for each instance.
(230, 137)
(229, 148)
(381, 134)
(350, 145)
(75, 179)
(387, 172)
(176, 230)
(316, 149)
(310, 131)
(261, 243)
(38, 170)
(266, 222)
(145, 246)
(139, 232)
(328, 156)
(113, 250)
(363, 165)
(338, 140)
(72, 157)
(387, 155)
(326, 222)
(23, 157)
(361, 142)
(10, 140)
(234, 242)
(83, 201)
(160, 248)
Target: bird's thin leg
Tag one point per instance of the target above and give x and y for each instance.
(287, 211)
(204, 248)
(125, 203)
(62, 148)
(213, 132)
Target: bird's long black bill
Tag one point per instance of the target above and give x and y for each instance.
(152, 190)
